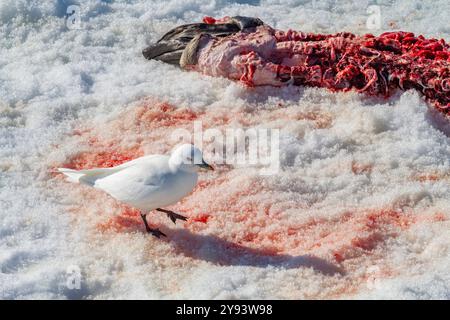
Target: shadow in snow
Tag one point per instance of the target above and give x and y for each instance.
(223, 252)
(438, 121)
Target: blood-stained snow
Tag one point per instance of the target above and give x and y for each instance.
(359, 208)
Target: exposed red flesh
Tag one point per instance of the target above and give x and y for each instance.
(372, 64)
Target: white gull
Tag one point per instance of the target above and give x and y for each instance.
(149, 182)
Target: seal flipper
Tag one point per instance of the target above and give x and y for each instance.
(179, 45)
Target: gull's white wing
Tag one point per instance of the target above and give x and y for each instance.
(143, 159)
(90, 176)
(148, 184)
(144, 184)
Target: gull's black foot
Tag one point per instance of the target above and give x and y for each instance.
(172, 215)
(155, 232)
(175, 216)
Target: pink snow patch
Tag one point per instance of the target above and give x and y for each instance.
(238, 212)
(431, 176)
(102, 159)
(127, 221)
(240, 208)
(145, 130)
(202, 218)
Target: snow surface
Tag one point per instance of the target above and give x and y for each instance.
(360, 208)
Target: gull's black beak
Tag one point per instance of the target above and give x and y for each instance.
(206, 166)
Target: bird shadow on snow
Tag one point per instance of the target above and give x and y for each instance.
(226, 253)
(222, 252)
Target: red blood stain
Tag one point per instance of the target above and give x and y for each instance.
(248, 216)
(349, 235)
(128, 220)
(203, 218)
(359, 168)
(144, 125)
(373, 229)
(245, 210)
(338, 257)
(209, 20)
(249, 237)
(431, 176)
(164, 114)
(121, 224)
(102, 159)
(439, 217)
(319, 120)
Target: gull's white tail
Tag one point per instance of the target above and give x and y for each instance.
(87, 177)
(72, 175)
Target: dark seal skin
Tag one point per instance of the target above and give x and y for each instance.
(170, 47)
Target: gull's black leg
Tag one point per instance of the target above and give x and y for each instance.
(155, 232)
(172, 215)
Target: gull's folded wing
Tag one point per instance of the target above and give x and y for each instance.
(90, 176)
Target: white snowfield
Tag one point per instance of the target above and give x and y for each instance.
(359, 209)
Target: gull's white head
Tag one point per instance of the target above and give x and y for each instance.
(187, 157)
